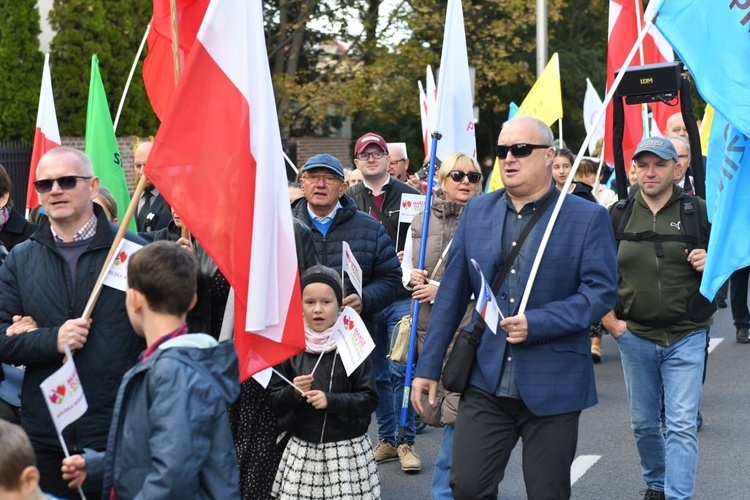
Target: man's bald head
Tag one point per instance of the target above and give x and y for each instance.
(140, 156)
(676, 126)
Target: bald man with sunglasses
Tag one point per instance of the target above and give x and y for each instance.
(531, 379)
(45, 283)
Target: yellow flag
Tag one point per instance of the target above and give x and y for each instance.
(544, 100)
(708, 118)
(495, 182)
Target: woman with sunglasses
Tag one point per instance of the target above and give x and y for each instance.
(561, 166)
(460, 179)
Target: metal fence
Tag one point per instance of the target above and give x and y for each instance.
(16, 158)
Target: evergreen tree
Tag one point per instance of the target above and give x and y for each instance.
(112, 29)
(20, 67)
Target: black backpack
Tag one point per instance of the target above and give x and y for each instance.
(699, 309)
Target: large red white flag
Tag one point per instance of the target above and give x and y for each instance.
(46, 134)
(158, 67)
(455, 112)
(625, 21)
(217, 159)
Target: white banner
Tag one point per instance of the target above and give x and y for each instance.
(411, 205)
(351, 267)
(117, 275)
(64, 395)
(352, 339)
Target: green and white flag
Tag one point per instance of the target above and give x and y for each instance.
(101, 144)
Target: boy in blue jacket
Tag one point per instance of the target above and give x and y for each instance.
(170, 434)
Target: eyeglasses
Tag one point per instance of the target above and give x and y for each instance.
(683, 156)
(458, 176)
(366, 156)
(521, 150)
(65, 182)
(329, 179)
(395, 162)
(677, 130)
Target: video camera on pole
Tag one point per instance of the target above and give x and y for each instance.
(661, 82)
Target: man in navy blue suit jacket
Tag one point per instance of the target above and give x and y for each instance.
(531, 379)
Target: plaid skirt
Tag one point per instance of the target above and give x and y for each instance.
(338, 470)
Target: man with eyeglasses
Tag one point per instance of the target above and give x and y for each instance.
(48, 280)
(398, 165)
(531, 379)
(333, 218)
(380, 195)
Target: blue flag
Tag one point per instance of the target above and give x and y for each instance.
(727, 202)
(713, 40)
(512, 110)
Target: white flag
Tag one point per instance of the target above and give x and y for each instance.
(352, 339)
(64, 395)
(487, 305)
(591, 106)
(455, 113)
(411, 205)
(351, 267)
(117, 274)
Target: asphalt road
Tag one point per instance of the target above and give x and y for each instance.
(607, 464)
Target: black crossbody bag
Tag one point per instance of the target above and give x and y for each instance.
(460, 363)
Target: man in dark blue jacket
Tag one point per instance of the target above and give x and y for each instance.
(45, 283)
(534, 376)
(333, 218)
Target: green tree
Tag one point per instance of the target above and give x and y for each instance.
(113, 30)
(21, 69)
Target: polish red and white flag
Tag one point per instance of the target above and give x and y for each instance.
(217, 160)
(46, 134)
(158, 67)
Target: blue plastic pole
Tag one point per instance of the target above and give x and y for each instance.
(415, 311)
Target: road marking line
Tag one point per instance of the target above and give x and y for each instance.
(580, 465)
(714, 342)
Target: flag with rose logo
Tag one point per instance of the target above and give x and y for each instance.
(117, 274)
(352, 339)
(64, 395)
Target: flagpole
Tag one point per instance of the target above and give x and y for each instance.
(289, 162)
(564, 190)
(139, 188)
(130, 76)
(416, 304)
(560, 133)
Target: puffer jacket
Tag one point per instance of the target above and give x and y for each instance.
(371, 246)
(170, 434)
(444, 217)
(36, 281)
(351, 399)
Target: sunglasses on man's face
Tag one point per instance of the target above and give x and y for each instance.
(458, 176)
(65, 182)
(521, 150)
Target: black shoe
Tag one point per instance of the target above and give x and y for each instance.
(699, 424)
(654, 495)
(743, 336)
(722, 303)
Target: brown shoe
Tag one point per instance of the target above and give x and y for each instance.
(409, 458)
(385, 452)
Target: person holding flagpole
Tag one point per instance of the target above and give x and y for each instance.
(531, 379)
(48, 279)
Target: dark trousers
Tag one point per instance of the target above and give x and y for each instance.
(487, 430)
(49, 463)
(738, 297)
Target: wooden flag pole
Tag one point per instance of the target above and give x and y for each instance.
(139, 188)
(176, 60)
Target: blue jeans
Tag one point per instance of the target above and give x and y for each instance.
(390, 376)
(676, 372)
(441, 476)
